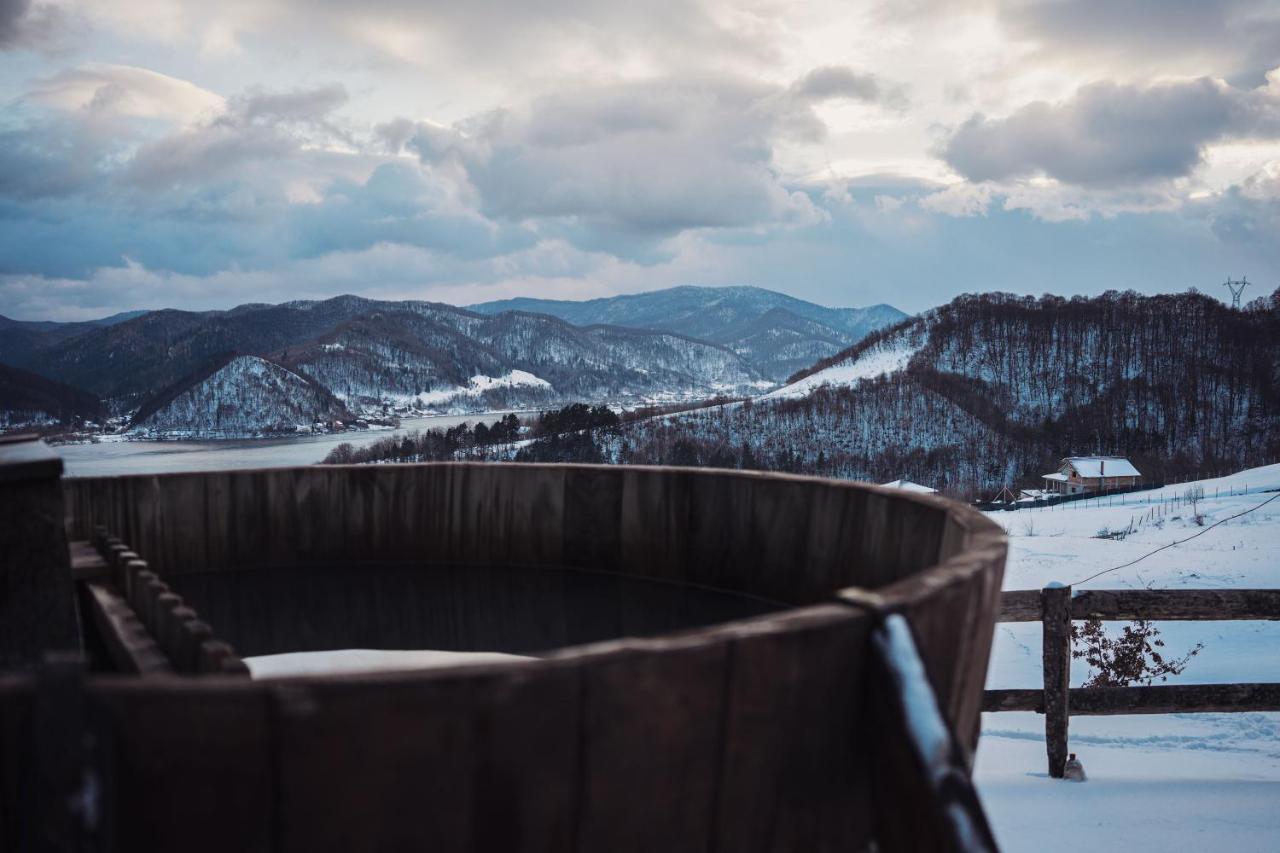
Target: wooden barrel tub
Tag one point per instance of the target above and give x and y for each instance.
(706, 676)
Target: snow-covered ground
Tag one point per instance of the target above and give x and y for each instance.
(477, 385)
(1164, 782)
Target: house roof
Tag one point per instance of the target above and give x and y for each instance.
(1099, 466)
(1056, 475)
(909, 486)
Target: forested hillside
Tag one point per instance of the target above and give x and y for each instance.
(991, 390)
(777, 334)
(369, 353)
(243, 396)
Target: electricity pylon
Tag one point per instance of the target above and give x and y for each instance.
(1236, 288)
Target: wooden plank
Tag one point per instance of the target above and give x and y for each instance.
(189, 765)
(127, 642)
(1019, 605)
(1176, 698)
(1154, 699)
(61, 756)
(478, 758)
(1023, 605)
(794, 761)
(651, 725)
(86, 562)
(1013, 700)
(1177, 604)
(1055, 620)
(17, 767)
(37, 594)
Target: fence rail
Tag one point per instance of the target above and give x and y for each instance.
(1173, 604)
(1056, 607)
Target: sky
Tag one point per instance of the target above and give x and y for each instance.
(166, 153)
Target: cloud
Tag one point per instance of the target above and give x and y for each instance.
(834, 81)
(490, 38)
(306, 106)
(1233, 37)
(961, 200)
(1250, 212)
(647, 159)
(125, 91)
(23, 24)
(1110, 133)
(254, 127)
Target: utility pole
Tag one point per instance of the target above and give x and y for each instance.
(1236, 288)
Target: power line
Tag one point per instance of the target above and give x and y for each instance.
(1179, 542)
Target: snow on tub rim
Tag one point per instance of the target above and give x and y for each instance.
(339, 661)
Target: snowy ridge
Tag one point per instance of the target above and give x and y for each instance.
(881, 359)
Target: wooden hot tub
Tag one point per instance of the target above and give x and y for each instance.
(719, 664)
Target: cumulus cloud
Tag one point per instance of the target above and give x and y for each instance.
(1250, 212)
(960, 200)
(1110, 133)
(253, 127)
(651, 158)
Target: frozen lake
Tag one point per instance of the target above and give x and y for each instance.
(158, 457)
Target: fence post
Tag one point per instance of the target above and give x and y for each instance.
(1055, 616)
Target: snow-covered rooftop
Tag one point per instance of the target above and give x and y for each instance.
(909, 486)
(1056, 475)
(1103, 466)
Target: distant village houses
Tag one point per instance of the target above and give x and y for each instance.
(1086, 474)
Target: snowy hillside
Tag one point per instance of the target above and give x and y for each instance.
(444, 357)
(885, 357)
(246, 396)
(1179, 782)
(367, 350)
(776, 333)
(990, 391)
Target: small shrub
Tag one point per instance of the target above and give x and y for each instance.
(1136, 656)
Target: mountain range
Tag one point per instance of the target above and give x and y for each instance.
(377, 356)
(991, 390)
(777, 334)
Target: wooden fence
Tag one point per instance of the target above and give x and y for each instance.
(1055, 607)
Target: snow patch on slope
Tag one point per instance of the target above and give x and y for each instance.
(479, 384)
(877, 361)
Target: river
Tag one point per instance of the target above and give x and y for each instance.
(158, 457)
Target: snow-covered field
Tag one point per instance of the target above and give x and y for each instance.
(1162, 782)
